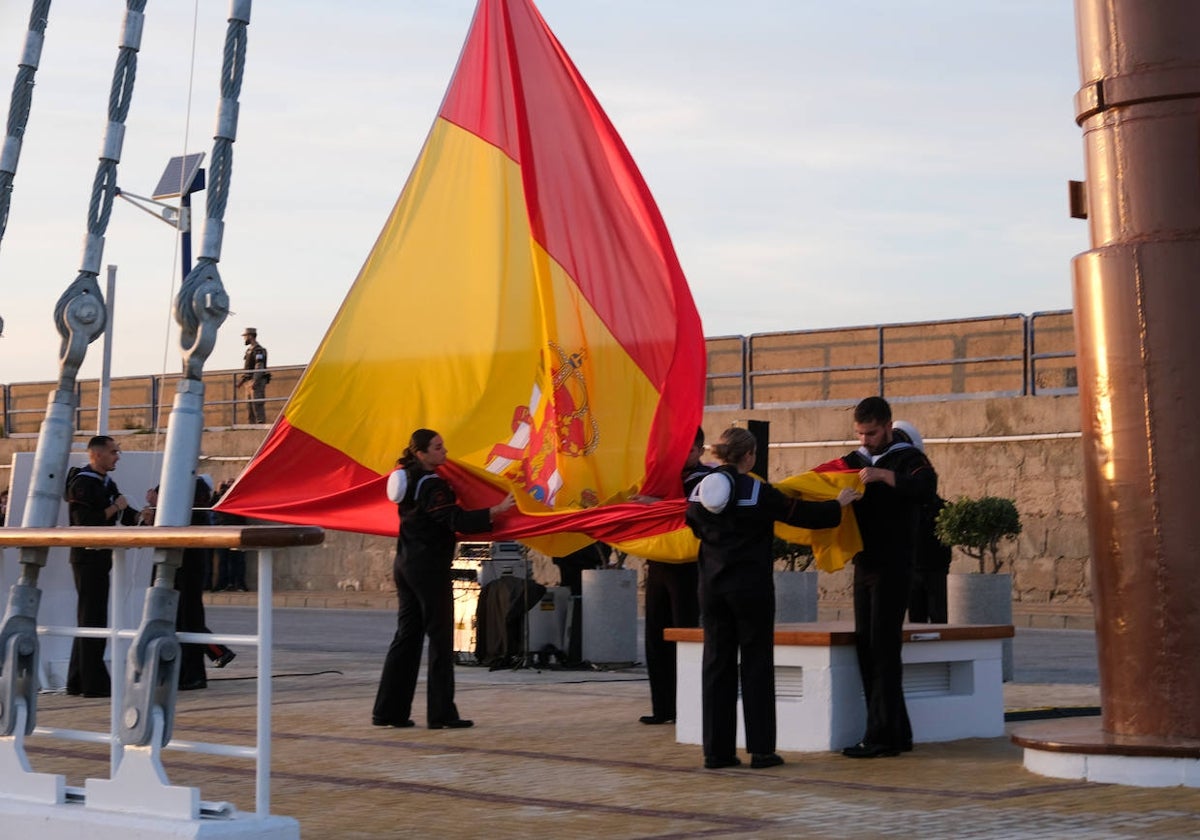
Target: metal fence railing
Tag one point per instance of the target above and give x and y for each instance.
(141, 404)
(1000, 355)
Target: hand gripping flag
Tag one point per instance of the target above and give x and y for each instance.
(832, 548)
(523, 300)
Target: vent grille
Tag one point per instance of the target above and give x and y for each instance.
(789, 683)
(927, 679)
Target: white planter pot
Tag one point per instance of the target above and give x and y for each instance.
(610, 599)
(982, 599)
(795, 596)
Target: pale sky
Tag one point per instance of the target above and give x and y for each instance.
(818, 164)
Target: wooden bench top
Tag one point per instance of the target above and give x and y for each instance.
(184, 536)
(829, 633)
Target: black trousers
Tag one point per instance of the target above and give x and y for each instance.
(189, 618)
(671, 601)
(738, 623)
(426, 609)
(86, 672)
(880, 600)
(927, 596)
(231, 569)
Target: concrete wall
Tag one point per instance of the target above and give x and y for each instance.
(999, 446)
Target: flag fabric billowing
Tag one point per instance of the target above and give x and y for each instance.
(832, 548)
(524, 300)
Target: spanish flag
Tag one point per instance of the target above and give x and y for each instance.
(524, 300)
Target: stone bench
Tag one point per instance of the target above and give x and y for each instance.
(952, 684)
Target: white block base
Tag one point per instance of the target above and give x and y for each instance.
(75, 821)
(953, 689)
(17, 778)
(1136, 771)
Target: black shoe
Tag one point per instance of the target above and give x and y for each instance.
(712, 762)
(192, 685)
(906, 746)
(224, 659)
(864, 750)
(400, 724)
(760, 761)
(94, 694)
(460, 723)
(655, 720)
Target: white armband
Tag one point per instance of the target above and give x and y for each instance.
(397, 485)
(714, 492)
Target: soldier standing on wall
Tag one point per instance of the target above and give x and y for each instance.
(254, 380)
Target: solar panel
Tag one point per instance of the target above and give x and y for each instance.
(179, 176)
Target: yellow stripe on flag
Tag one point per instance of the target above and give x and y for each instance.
(832, 548)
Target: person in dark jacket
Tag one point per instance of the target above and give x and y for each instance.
(231, 563)
(93, 498)
(931, 558)
(734, 515)
(899, 479)
(430, 517)
(254, 380)
(189, 616)
(671, 601)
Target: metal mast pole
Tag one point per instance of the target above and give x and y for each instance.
(1136, 300)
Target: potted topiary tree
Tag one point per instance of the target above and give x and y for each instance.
(977, 527)
(795, 582)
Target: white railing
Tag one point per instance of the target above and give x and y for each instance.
(14, 768)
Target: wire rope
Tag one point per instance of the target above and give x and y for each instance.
(18, 112)
(187, 136)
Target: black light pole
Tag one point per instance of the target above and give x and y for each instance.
(181, 177)
(185, 221)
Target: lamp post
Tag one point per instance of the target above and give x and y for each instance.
(181, 177)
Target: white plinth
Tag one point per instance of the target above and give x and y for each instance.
(1079, 748)
(1136, 771)
(952, 687)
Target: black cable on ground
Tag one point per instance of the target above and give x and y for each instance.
(1050, 713)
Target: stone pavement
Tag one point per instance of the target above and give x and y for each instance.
(559, 753)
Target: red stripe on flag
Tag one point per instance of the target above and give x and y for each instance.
(589, 207)
(286, 486)
(836, 465)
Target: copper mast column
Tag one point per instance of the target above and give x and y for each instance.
(1137, 322)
